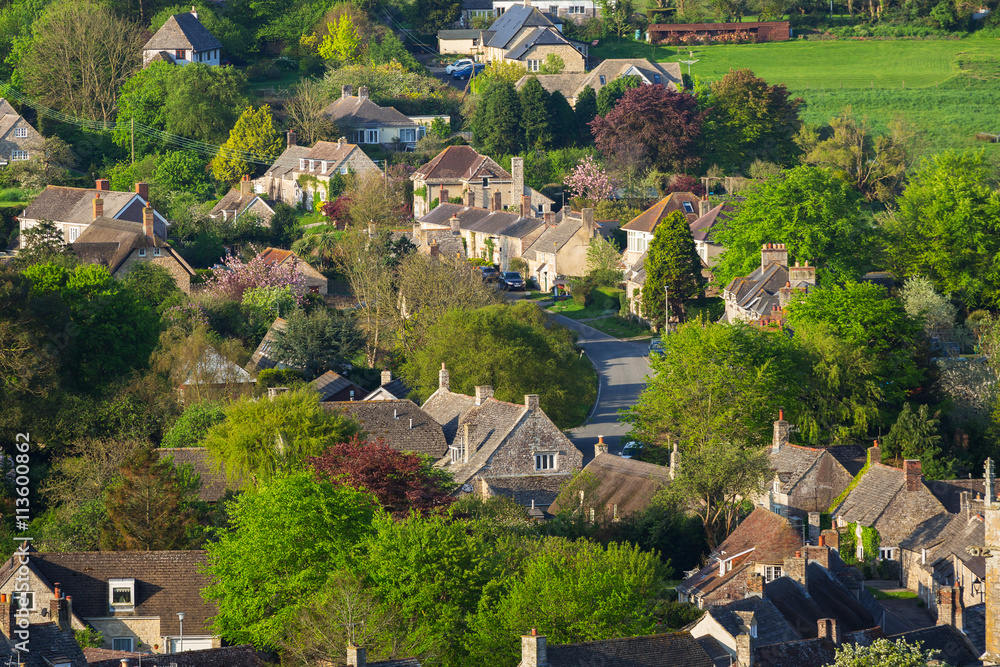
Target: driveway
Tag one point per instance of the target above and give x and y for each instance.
(622, 368)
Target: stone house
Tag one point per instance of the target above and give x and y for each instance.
(333, 387)
(719, 630)
(524, 34)
(757, 296)
(461, 172)
(243, 200)
(675, 649)
(72, 210)
(183, 40)
(567, 10)
(935, 557)
(121, 244)
(365, 122)
(19, 141)
(703, 230)
(48, 643)
(389, 389)
(494, 235)
(570, 84)
(561, 250)
(131, 597)
(500, 447)
(301, 175)
(399, 423)
(315, 281)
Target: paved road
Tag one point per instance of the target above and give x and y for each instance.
(622, 367)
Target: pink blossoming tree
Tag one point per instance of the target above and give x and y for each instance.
(590, 181)
(239, 277)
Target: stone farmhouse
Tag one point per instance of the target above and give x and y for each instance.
(496, 447)
(367, 123)
(572, 83)
(240, 201)
(74, 209)
(121, 245)
(19, 141)
(301, 175)
(758, 296)
(399, 423)
(183, 40)
(131, 597)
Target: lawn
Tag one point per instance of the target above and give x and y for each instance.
(896, 594)
(947, 88)
(619, 328)
(576, 311)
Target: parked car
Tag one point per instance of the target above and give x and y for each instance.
(458, 64)
(655, 346)
(512, 280)
(631, 450)
(468, 71)
(490, 274)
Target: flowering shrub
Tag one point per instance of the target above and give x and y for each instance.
(590, 181)
(240, 277)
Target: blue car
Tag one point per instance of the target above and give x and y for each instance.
(469, 70)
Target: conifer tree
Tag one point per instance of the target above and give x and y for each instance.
(562, 121)
(496, 126)
(586, 109)
(671, 262)
(535, 114)
(253, 134)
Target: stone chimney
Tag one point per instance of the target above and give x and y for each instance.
(780, 437)
(785, 294)
(517, 184)
(601, 447)
(704, 206)
(496, 202)
(444, 382)
(814, 518)
(356, 656)
(456, 225)
(819, 554)
(98, 207)
(795, 569)
(341, 142)
(989, 494)
(550, 218)
(345, 90)
(675, 461)
(755, 585)
(7, 609)
(587, 216)
(246, 186)
(526, 211)
(826, 628)
(468, 433)
(290, 138)
(531, 401)
(950, 606)
(745, 641)
(963, 504)
(773, 252)
(533, 653)
(470, 197)
(874, 454)
(148, 222)
(801, 274)
(386, 377)
(433, 249)
(482, 393)
(363, 92)
(142, 189)
(103, 184)
(913, 474)
(59, 609)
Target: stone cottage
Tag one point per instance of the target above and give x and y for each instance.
(19, 141)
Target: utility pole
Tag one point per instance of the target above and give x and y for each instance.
(666, 320)
(133, 140)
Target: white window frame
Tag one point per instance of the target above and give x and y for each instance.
(18, 154)
(371, 137)
(343, 168)
(121, 583)
(534, 65)
(457, 454)
(20, 132)
(302, 164)
(575, 9)
(772, 572)
(688, 207)
(117, 646)
(546, 461)
(142, 252)
(156, 251)
(73, 234)
(408, 134)
(886, 553)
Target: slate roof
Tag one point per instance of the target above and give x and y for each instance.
(230, 656)
(261, 359)
(945, 536)
(166, 582)
(950, 644)
(852, 457)
(288, 161)
(493, 420)
(47, 645)
(768, 537)
(461, 34)
(334, 387)
(974, 626)
(396, 388)
(772, 627)
(446, 408)
(626, 483)
(716, 651)
(353, 111)
(703, 229)
(949, 491)
(477, 4)
(390, 421)
(510, 23)
(811, 652)
(182, 31)
(528, 490)
(235, 201)
(827, 598)
(75, 205)
(461, 163)
(110, 242)
(648, 220)
(544, 36)
(677, 649)
(553, 238)
(214, 483)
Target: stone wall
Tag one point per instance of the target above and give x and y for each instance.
(164, 259)
(144, 629)
(535, 433)
(43, 599)
(572, 58)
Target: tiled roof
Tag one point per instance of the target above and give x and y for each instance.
(461, 163)
(182, 31)
(627, 484)
(651, 217)
(261, 359)
(947, 641)
(75, 205)
(334, 387)
(703, 228)
(166, 582)
(772, 627)
(811, 652)
(949, 491)
(401, 424)
(678, 649)
(47, 645)
(716, 651)
(528, 490)
(447, 407)
(792, 462)
(570, 84)
(362, 112)
(493, 421)
(288, 161)
(852, 457)
(396, 388)
(235, 201)
(541, 36)
(827, 598)
(460, 34)
(974, 626)
(214, 482)
(334, 153)
(553, 238)
(945, 536)
(227, 656)
(510, 23)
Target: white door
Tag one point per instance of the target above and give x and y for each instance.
(190, 643)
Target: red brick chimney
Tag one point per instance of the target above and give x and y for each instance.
(950, 606)
(147, 222)
(432, 248)
(874, 453)
(142, 189)
(913, 473)
(98, 207)
(290, 138)
(7, 609)
(59, 609)
(246, 186)
(103, 184)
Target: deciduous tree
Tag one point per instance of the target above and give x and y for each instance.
(612, 93)
(591, 181)
(305, 107)
(885, 653)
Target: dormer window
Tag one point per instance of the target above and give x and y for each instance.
(457, 453)
(302, 163)
(324, 166)
(121, 594)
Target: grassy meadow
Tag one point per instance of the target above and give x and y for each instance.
(949, 89)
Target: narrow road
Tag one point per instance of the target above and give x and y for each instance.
(621, 368)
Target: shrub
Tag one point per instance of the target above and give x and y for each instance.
(193, 424)
(583, 292)
(278, 377)
(606, 277)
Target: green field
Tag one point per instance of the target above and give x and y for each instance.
(948, 88)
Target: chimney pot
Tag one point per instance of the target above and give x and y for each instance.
(246, 187)
(142, 189)
(148, 223)
(601, 447)
(483, 392)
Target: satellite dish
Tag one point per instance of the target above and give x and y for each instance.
(466, 488)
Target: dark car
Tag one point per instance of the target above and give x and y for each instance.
(468, 70)
(512, 280)
(490, 274)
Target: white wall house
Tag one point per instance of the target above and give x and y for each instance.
(183, 40)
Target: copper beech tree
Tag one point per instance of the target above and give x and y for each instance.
(400, 481)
